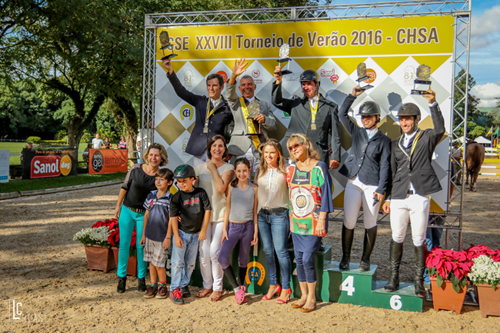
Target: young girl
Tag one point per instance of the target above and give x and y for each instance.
(241, 217)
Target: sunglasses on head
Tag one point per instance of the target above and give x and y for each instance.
(292, 147)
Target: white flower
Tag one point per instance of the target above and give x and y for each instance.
(92, 236)
(485, 270)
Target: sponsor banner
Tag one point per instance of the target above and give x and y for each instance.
(108, 161)
(49, 163)
(4, 165)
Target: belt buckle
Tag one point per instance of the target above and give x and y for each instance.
(410, 192)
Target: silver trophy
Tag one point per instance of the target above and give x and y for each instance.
(284, 57)
(253, 111)
(362, 77)
(422, 82)
(165, 44)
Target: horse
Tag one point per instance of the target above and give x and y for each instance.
(474, 158)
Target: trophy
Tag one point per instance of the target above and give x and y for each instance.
(253, 111)
(165, 44)
(422, 82)
(362, 77)
(284, 52)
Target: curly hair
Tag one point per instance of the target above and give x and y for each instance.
(163, 154)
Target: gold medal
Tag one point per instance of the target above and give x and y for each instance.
(205, 129)
(313, 126)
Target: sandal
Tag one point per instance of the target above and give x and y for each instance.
(202, 294)
(284, 301)
(277, 291)
(216, 298)
(240, 295)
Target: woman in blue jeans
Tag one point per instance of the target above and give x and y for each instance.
(274, 225)
(130, 212)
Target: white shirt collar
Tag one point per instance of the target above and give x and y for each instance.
(215, 102)
(251, 99)
(371, 132)
(314, 100)
(408, 137)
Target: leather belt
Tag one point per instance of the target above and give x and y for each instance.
(270, 211)
(136, 210)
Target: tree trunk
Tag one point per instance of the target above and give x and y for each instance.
(131, 121)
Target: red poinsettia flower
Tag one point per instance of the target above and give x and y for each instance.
(114, 237)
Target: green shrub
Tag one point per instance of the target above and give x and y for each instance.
(34, 139)
(53, 141)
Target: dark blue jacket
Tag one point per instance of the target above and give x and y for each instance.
(222, 116)
(370, 159)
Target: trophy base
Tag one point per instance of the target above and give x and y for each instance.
(169, 56)
(284, 72)
(364, 88)
(282, 60)
(418, 92)
(364, 78)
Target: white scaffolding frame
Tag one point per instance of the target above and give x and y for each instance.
(452, 219)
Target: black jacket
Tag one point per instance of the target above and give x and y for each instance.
(369, 159)
(420, 172)
(327, 122)
(222, 116)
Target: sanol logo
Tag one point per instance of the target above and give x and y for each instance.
(45, 166)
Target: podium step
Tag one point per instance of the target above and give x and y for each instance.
(403, 299)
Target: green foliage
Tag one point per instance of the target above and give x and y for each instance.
(62, 134)
(34, 139)
(86, 137)
(59, 142)
(475, 130)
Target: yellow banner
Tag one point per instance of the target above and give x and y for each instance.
(338, 38)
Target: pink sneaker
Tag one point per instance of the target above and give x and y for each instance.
(240, 295)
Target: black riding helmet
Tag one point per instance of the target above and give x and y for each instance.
(409, 109)
(184, 171)
(369, 109)
(310, 75)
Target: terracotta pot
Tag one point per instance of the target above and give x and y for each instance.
(446, 298)
(99, 258)
(132, 263)
(489, 300)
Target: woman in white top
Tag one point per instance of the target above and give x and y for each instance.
(214, 177)
(274, 225)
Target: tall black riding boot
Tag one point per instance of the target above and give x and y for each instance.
(347, 237)
(368, 244)
(141, 285)
(396, 253)
(122, 282)
(419, 270)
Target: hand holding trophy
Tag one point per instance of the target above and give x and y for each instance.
(165, 44)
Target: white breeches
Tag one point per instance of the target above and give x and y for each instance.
(414, 209)
(211, 271)
(357, 195)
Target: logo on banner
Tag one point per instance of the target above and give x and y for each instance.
(329, 74)
(184, 146)
(223, 74)
(372, 74)
(255, 73)
(97, 161)
(187, 112)
(255, 273)
(188, 78)
(45, 166)
(65, 165)
(409, 75)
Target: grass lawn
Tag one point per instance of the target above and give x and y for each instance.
(44, 183)
(17, 147)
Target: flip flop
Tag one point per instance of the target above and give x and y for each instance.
(200, 294)
(215, 299)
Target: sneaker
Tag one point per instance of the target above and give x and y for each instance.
(162, 292)
(185, 292)
(176, 297)
(151, 292)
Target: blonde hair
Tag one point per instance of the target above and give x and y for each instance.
(163, 154)
(304, 140)
(263, 164)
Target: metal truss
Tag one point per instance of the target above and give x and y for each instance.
(452, 219)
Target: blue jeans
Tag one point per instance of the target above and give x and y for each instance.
(183, 260)
(274, 230)
(127, 221)
(432, 237)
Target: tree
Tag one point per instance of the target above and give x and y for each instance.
(459, 102)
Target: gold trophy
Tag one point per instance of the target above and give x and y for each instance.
(165, 44)
(422, 82)
(362, 77)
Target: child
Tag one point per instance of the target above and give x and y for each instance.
(241, 216)
(157, 233)
(192, 205)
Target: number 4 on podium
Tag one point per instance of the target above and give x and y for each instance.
(348, 285)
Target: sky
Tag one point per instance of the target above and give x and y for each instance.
(484, 64)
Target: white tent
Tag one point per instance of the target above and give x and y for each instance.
(482, 140)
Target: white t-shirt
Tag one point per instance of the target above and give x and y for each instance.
(206, 182)
(97, 143)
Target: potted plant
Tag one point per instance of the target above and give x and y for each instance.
(448, 270)
(97, 248)
(114, 240)
(485, 276)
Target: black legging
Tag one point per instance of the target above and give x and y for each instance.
(229, 273)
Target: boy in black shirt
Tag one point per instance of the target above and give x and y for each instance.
(192, 205)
